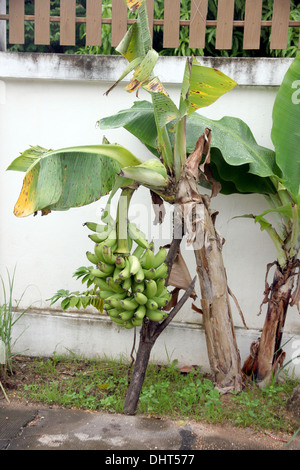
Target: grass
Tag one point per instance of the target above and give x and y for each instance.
(102, 385)
(7, 321)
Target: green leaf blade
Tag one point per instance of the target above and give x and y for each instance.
(71, 177)
(285, 132)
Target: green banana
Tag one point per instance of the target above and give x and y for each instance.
(140, 298)
(162, 301)
(125, 272)
(106, 268)
(115, 302)
(127, 283)
(151, 305)
(108, 255)
(139, 276)
(118, 321)
(151, 288)
(114, 312)
(136, 321)
(126, 314)
(104, 294)
(116, 277)
(95, 227)
(135, 264)
(92, 257)
(147, 259)
(161, 284)
(138, 287)
(99, 237)
(104, 239)
(107, 307)
(99, 252)
(111, 240)
(137, 235)
(159, 258)
(113, 286)
(163, 293)
(129, 304)
(139, 250)
(140, 312)
(161, 271)
(97, 273)
(155, 315)
(131, 286)
(120, 262)
(128, 325)
(149, 273)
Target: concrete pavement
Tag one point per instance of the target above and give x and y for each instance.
(28, 427)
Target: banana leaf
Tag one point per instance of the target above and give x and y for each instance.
(139, 120)
(286, 129)
(71, 177)
(202, 86)
(237, 161)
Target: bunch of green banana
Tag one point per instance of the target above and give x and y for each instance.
(132, 285)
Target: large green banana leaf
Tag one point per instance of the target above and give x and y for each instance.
(286, 129)
(70, 177)
(237, 161)
(201, 87)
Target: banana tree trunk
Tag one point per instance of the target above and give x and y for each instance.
(266, 355)
(223, 353)
(140, 367)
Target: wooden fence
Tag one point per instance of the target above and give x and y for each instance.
(171, 23)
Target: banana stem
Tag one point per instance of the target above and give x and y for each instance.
(295, 235)
(122, 220)
(180, 147)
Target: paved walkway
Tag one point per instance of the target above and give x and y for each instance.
(49, 428)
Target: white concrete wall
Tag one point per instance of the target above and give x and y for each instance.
(55, 101)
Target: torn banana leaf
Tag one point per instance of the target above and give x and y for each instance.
(143, 71)
(202, 86)
(72, 177)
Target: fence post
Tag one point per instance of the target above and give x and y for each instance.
(2, 26)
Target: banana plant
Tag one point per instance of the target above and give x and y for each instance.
(266, 353)
(72, 177)
(242, 166)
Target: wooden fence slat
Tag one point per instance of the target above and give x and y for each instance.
(171, 23)
(280, 24)
(150, 11)
(224, 24)
(198, 24)
(16, 21)
(252, 28)
(67, 22)
(93, 22)
(2, 26)
(42, 22)
(119, 21)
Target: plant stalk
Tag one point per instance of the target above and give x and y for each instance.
(122, 220)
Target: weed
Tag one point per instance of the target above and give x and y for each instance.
(102, 385)
(8, 318)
